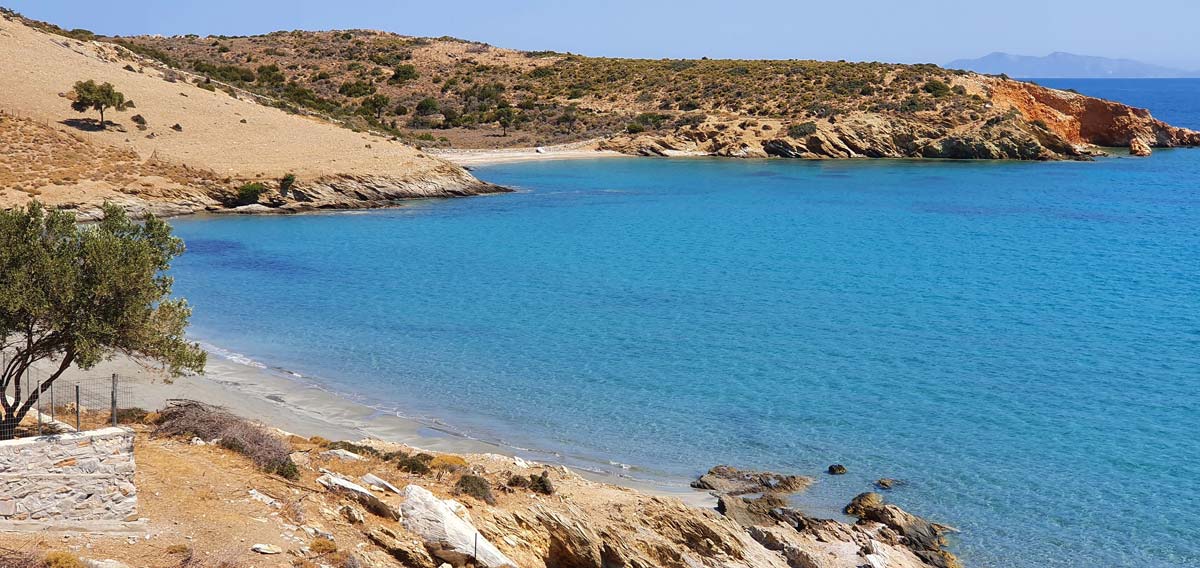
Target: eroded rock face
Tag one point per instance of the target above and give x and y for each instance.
(1021, 121)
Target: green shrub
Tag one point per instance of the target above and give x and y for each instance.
(416, 464)
(536, 483)
(403, 74)
(249, 193)
(355, 448)
(355, 89)
(270, 75)
(541, 483)
(936, 88)
(285, 184)
(427, 106)
(476, 487)
(635, 128)
(801, 130)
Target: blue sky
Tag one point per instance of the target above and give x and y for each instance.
(909, 31)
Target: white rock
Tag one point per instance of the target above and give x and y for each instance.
(459, 509)
(448, 537)
(196, 441)
(104, 564)
(876, 561)
(341, 454)
(520, 463)
(372, 479)
(266, 549)
(268, 500)
(360, 494)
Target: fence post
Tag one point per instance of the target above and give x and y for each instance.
(114, 399)
(76, 407)
(37, 392)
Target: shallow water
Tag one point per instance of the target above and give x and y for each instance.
(1020, 343)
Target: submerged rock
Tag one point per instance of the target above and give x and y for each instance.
(886, 483)
(837, 469)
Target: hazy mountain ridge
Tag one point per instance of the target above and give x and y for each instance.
(1067, 66)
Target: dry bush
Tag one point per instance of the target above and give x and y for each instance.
(322, 545)
(229, 559)
(188, 419)
(62, 560)
(448, 462)
(476, 487)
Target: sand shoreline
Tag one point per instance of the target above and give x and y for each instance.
(480, 157)
(303, 406)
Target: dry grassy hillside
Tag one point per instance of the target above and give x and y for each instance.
(450, 92)
(232, 139)
(468, 88)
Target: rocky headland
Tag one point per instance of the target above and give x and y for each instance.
(1020, 121)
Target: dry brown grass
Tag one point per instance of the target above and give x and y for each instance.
(188, 419)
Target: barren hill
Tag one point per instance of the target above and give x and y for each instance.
(451, 92)
(196, 146)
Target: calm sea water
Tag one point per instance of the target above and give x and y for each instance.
(1019, 342)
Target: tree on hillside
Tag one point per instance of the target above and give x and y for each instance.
(75, 294)
(90, 96)
(507, 117)
(374, 105)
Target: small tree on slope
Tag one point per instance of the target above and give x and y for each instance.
(90, 96)
(77, 294)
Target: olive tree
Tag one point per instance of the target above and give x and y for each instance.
(90, 96)
(76, 295)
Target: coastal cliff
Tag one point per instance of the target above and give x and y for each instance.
(1019, 121)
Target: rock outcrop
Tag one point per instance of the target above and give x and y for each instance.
(447, 536)
(728, 480)
(1139, 147)
(1019, 121)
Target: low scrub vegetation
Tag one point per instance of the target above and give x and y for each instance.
(189, 419)
(476, 487)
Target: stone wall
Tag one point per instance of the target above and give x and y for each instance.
(81, 476)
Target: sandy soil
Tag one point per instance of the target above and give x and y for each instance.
(227, 135)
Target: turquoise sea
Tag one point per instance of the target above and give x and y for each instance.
(1018, 342)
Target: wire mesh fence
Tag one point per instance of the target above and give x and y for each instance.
(71, 403)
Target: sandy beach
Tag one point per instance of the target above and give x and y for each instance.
(301, 406)
(572, 151)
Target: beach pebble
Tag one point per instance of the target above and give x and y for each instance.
(266, 549)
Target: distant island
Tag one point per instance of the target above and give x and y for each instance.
(1063, 65)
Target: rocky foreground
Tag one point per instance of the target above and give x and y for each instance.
(348, 505)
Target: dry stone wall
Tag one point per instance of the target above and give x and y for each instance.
(80, 476)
